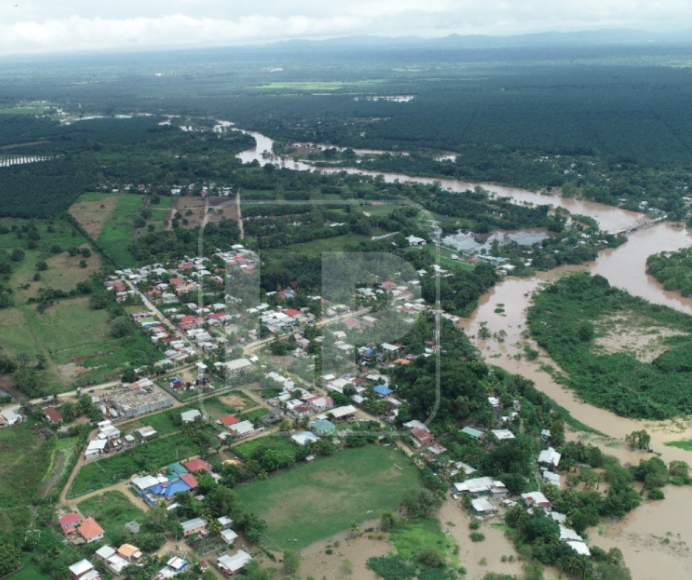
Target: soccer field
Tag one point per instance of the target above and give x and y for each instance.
(316, 500)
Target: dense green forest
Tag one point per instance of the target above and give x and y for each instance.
(571, 318)
(610, 123)
(673, 270)
(102, 154)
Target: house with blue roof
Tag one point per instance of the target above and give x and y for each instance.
(168, 490)
(383, 390)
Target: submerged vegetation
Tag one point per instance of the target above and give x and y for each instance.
(673, 270)
(570, 316)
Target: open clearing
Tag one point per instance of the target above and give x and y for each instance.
(24, 459)
(639, 337)
(92, 211)
(29, 572)
(112, 509)
(117, 233)
(75, 340)
(316, 500)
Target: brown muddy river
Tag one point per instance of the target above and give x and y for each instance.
(657, 537)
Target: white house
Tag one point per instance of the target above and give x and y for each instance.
(229, 565)
(415, 241)
(549, 457)
(190, 416)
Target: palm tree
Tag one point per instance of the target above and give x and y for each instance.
(354, 529)
(214, 527)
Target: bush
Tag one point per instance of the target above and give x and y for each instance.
(476, 537)
(391, 568)
(431, 558)
(656, 494)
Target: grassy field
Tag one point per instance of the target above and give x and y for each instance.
(277, 442)
(24, 460)
(446, 260)
(419, 535)
(29, 572)
(92, 211)
(146, 457)
(315, 247)
(67, 333)
(316, 500)
(116, 234)
(112, 510)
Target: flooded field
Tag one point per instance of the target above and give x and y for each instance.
(470, 242)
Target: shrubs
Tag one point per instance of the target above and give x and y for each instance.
(391, 568)
(477, 537)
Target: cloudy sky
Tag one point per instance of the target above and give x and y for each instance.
(45, 26)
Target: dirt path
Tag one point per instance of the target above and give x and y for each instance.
(121, 486)
(205, 213)
(81, 461)
(240, 215)
(171, 214)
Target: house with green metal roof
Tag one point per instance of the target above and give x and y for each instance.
(175, 471)
(475, 434)
(323, 427)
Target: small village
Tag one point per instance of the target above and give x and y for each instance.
(274, 343)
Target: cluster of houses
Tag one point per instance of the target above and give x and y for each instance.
(295, 401)
(176, 478)
(107, 438)
(117, 560)
(85, 531)
(236, 429)
(79, 530)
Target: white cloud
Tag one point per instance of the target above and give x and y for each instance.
(46, 26)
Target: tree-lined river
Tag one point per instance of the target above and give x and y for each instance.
(641, 535)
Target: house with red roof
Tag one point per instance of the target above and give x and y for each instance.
(189, 321)
(292, 312)
(118, 287)
(388, 285)
(229, 420)
(190, 479)
(69, 522)
(52, 415)
(90, 531)
(197, 465)
(176, 281)
(421, 437)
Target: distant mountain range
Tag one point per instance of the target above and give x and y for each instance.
(582, 38)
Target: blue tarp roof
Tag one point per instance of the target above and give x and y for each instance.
(383, 390)
(170, 489)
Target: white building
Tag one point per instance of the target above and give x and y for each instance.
(229, 565)
(190, 416)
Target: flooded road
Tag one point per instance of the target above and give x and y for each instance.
(654, 539)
